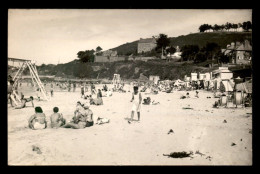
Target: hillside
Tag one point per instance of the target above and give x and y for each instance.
(200, 39)
(221, 38)
(126, 49)
(127, 70)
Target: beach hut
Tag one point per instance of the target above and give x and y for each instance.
(155, 79)
(194, 76)
(202, 76)
(223, 73)
(207, 76)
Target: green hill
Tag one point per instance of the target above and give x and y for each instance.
(127, 48)
(200, 39)
(221, 38)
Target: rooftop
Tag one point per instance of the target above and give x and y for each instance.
(148, 40)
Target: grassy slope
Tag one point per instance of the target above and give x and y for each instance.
(201, 39)
(127, 70)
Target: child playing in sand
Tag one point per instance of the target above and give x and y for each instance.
(38, 120)
(57, 119)
(136, 99)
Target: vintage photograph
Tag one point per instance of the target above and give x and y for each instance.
(129, 87)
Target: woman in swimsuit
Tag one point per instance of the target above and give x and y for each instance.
(38, 120)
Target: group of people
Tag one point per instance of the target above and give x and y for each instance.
(83, 117)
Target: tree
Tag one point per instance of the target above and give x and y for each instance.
(200, 57)
(228, 26)
(205, 27)
(216, 27)
(211, 50)
(98, 49)
(235, 26)
(224, 58)
(162, 41)
(222, 27)
(189, 52)
(86, 56)
(171, 50)
(247, 25)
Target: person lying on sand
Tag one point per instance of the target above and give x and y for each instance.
(24, 101)
(83, 120)
(102, 120)
(38, 120)
(57, 119)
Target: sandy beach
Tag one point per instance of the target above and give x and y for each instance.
(139, 143)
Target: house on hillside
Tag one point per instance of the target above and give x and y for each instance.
(109, 53)
(239, 53)
(244, 53)
(176, 55)
(146, 45)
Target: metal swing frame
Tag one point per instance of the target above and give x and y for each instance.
(33, 73)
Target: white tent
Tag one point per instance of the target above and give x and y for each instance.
(226, 86)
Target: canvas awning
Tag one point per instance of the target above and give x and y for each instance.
(245, 87)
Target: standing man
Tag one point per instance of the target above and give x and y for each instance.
(74, 86)
(137, 100)
(69, 86)
(52, 89)
(82, 90)
(93, 90)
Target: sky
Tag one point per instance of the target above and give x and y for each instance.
(53, 36)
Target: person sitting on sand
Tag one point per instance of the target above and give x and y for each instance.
(136, 99)
(79, 110)
(187, 95)
(24, 101)
(84, 119)
(38, 120)
(57, 119)
(105, 88)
